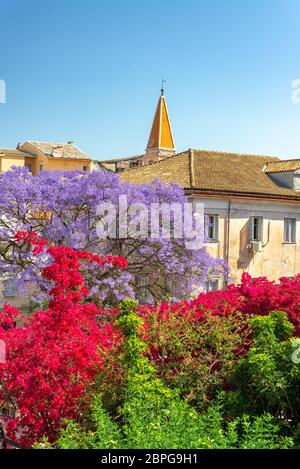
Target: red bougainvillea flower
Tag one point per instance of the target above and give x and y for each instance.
(52, 361)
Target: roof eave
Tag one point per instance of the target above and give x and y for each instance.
(228, 194)
(68, 158)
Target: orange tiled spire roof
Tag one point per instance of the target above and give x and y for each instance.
(161, 138)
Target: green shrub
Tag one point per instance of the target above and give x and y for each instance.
(267, 380)
(177, 427)
(197, 357)
(154, 416)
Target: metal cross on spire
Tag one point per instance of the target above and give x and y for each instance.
(162, 86)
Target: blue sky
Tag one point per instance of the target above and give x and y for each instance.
(90, 71)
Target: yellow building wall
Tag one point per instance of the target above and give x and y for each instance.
(7, 163)
(53, 164)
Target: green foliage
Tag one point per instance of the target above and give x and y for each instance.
(154, 416)
(267, 380)
(98, 432)
(149, 425)
(196, 356)
(261, 432)
(131, 324)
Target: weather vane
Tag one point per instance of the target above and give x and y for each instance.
(162, 86)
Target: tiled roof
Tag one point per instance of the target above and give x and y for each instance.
(60, 150)
(119, 159)
(212, 171)
(282, 166)
(12, 152)
(161, 133)
(172, 169)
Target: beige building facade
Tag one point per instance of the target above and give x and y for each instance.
(260, 237)
(252, 207)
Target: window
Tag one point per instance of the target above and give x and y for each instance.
(41, 167)
(85, 168)
(9, 288)
(290, 230)
(256, 228)
(212, 227)
(29, 167)
(212, 285)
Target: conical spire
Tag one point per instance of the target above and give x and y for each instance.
(160, 143)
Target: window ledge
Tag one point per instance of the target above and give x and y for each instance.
(289, 242)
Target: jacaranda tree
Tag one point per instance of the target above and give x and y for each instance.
(62, 207)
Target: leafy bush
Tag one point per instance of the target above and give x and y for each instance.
(154, 416)
(198, 357)
(266, 379)
(195, 345)
(180, 427)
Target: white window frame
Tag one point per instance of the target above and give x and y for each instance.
(259, 228)
(212, 225)
(289, 230)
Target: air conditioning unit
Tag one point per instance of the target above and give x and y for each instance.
(256, 246)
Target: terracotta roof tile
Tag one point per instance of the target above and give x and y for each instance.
(282, 166)
(120, 158)
(60, 150)
(214, 171)
(172, 169)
